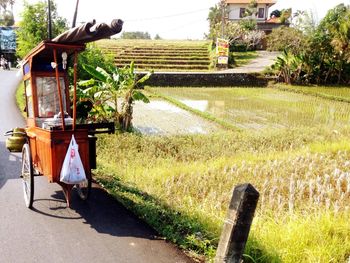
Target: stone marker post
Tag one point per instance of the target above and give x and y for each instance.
(237, 224)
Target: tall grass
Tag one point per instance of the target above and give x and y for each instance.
(181, 185)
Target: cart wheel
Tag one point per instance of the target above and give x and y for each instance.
(27, 176)
(84, 189)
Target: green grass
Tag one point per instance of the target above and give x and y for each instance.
(159, 54)
(181, 186)
(330, 92)
(159, 51)
(151, 43)
(243, 58)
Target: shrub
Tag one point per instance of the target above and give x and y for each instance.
(286, 38)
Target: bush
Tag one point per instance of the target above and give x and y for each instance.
(286, 38)
(94, 57)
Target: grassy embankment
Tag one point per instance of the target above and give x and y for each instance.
(294, 148)
(163, 55)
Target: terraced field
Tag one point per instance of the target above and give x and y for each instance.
(159, 55)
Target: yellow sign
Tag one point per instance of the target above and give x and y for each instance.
(222, 50)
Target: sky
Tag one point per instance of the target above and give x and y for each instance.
(179, 19)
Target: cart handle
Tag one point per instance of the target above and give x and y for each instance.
(11, 132)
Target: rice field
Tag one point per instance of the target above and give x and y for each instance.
(293, 147)
(264, 108)
(343, 92)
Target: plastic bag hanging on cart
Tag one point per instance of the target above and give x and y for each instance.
(72, 171)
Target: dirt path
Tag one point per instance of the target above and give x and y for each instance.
(265, 59)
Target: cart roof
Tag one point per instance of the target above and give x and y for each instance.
(43, 52)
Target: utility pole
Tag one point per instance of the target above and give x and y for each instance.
(222, 18)
(75, 14)
(49, 20)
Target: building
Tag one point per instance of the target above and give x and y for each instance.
(236, 12)
(237, 8)
(8, 42)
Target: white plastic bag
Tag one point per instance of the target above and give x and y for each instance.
(72, 171)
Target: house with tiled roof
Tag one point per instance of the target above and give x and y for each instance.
(236, 11)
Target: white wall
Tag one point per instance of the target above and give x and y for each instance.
(234, 11)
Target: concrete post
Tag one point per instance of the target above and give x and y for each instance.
(237, 224)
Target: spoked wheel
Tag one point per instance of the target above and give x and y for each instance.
(84, 189)
(27, 176)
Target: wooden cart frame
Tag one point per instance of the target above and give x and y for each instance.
(46, 84)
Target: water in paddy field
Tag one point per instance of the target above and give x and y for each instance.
(262, 108)
(163, 118)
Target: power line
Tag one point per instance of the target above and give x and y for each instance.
(167, 16)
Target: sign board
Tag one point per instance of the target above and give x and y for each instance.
(222, 50)
(7, 39)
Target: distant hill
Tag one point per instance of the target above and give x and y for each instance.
(159, 55)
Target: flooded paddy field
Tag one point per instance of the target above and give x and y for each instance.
(337, 92)
(262, 108)
(160, 117)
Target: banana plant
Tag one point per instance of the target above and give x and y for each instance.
(289, 67)
(113, 92)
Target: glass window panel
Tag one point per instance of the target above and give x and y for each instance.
(261, 12)
(241, 12)
(28, 89)
(48, 99)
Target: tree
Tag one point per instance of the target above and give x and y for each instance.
(285, 15)
(304, 21)
(33, 26)
(7, 19)
(253, 39)
(135, 35)
(286, 38)
(6, 16)
(232, 32)
(325, 58)
(248, 21)
(157, 37)
(251, 9)
(215, 18)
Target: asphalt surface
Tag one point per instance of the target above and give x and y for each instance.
(97, 230)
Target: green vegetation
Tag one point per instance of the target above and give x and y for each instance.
(33, 26)
(6, 15)
(262, 109)
(93, 56)
(181, 185)
(243, 58)
(20, 98)
(159, 55)
(318, 54)
(333, 93)
(135, 35)
(104, 90)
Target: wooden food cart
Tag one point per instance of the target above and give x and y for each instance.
(51, 115)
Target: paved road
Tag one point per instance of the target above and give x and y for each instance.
(99, 230)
